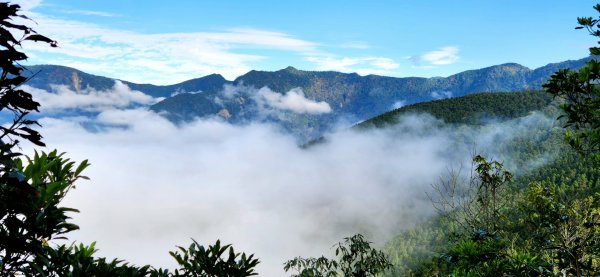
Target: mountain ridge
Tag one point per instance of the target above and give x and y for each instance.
(350, 97)
(35, 70)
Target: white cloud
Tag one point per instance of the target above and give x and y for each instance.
(269, 39)
(293, 100)
(117, 117)
(27, 5)
(443, 56)
(398, 104)
(154, 185)
(362, 66)
(356, 45)
(383, 63)
(89, 12)
(441, 94)
(157, 58)
(167, 58)
(88, 99)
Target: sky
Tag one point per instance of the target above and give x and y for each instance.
(163, 42)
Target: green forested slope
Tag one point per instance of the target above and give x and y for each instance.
(545, 208)
(471, 109)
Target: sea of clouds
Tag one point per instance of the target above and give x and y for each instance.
(155, 185)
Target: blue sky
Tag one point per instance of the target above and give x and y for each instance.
(165, 42)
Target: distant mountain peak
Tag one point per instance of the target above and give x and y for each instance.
(215, 76)
(290, 69)
(514, 65)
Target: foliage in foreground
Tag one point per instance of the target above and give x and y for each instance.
(199, 261)
(31, 218)
(580, 95)
(355, 256)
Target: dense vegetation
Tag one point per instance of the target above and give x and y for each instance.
(548, 220)
(471, 109)
(554, 191)
(417, 251)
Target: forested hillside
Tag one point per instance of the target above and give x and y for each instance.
(536, 221)
(420, 251)
(553, 201)
(475, 108)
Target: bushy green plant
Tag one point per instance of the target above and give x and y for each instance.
(196, 260)
(355, 258)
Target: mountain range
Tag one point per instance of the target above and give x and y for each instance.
(304, 103)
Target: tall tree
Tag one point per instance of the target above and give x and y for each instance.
(29, 196)
(580, 95)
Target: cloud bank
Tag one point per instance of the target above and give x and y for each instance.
(293, 100)
(155, 185)
(88, 99)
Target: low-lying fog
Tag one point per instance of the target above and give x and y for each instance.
(155, 185)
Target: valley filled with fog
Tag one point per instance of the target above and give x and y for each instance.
(155, 184)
